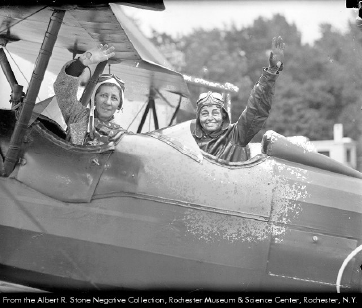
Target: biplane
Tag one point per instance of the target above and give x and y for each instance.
(153, 211)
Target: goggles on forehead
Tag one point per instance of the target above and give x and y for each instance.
(105, 77)
(213, 96)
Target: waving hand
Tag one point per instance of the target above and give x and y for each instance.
(98, 54)
(277, 54)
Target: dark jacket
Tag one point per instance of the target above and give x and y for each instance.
(230, 143)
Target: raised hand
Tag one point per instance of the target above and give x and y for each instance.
(277, 54)
(97, 54)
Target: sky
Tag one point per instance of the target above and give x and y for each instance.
(182, 16)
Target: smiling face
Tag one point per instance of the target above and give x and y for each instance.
(211, 118)
(107, 101)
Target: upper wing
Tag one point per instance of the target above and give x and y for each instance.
(22, 31)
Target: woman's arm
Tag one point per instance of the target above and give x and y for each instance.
(67, 82)
(66, 89)
(259, 103)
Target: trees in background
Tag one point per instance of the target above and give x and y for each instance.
(320, 85)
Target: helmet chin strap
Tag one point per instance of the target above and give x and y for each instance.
(91, 120)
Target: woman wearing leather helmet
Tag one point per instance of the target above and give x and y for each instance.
(213, 131)
(93, 125)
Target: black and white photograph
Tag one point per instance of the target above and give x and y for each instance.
(178, 151)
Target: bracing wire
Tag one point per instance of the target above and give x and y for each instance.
(137, 114)
(16, 65)
(23, 19)
(18, 68)
(7, 29)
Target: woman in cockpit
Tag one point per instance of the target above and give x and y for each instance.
(213, 131)
(94, 125)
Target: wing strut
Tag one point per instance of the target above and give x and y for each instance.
(5, 65)
(16, 89)
(33, 90)
(176, 111)
(150, 105)
(177, 108)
